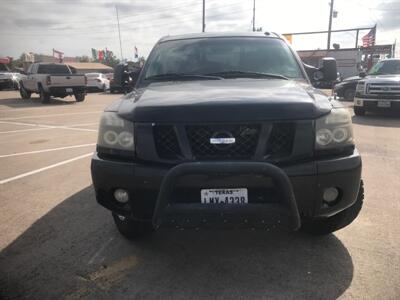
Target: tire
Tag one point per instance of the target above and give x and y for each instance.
(44, 97)
(80, 97)
(324, 226)
(359, 111)
(349, 94)
(103, 89)
(24, 93)
(132, 229)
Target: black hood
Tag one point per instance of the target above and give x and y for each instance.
(228, 100)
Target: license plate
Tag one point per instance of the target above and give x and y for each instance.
(69, 90)
(383, 104)
(224, 196)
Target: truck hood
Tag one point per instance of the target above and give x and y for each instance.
(228, 100)
(393, 78)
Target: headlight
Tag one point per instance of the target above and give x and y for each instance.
(360, 87)
(334, 130)
(115, 135)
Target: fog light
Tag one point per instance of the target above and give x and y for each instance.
(330, 194)
(121, 195)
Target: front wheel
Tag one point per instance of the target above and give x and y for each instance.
(44, 97)
(132, 229)
(80, 97)
(359, 111)
(324, 226)
(24, 93)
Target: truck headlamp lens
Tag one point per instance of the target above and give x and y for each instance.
(125, 139)
(115, 133)
(360, 87)
(334, 130)
(340, 135)
(324, 137)
(110, 137)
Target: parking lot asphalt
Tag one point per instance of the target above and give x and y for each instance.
(57, 243)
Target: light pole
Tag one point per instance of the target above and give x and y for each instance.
(330, 25)
(254, 15)
(119, 33)
(204, 16)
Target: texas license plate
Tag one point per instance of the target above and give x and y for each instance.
(224, 196)
(69, 90)
(383, 104)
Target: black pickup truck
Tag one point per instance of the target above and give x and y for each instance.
(226, 130)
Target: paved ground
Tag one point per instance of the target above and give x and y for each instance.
(57, 243)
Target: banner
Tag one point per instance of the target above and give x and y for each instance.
(94, 54)
(101, 54)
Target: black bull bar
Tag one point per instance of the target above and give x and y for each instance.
(166, 207)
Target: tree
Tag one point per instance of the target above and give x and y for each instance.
(83, 58)
(109, 60)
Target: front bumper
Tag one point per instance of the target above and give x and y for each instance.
(7, 83)
(273, 191)
(373, 104)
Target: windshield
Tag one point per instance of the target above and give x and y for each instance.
(223, 55)
(53, 69)
(385, 67)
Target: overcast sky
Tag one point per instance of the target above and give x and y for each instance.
(76, 26)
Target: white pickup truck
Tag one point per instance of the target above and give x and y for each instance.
(52, 79)
(380, 89)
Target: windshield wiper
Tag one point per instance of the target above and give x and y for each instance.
(180, 76)
(237, 74)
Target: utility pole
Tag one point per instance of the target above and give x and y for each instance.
(119, 33)
(330, 25)
(204, 16)
(254, 15)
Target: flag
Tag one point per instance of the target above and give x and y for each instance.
(94, 53)
(101, 54)
(136, 53)
(369, 39)
(58, 54)
(108, 54)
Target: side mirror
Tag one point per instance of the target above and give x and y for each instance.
(362, 74)
(329, 69)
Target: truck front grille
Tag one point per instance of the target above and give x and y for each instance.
(383, 89)
(280, 142)
(277, 145)
(244, 147)
(166, 142)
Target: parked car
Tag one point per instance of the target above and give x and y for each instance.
(97, 82)
(124, 78)
(109, 76)
(380, 90)
(9, 80)
(347, 88)
(226, 130)
(52, 79)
